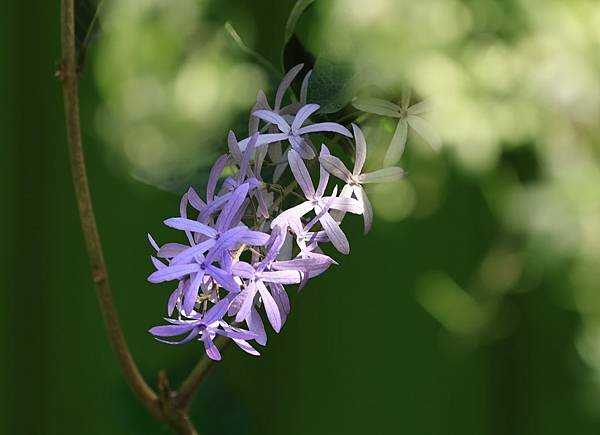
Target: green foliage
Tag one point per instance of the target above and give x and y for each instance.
(332, 85)
(332, 82)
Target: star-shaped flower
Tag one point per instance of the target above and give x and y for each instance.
(294, 133)
(192, 262)
(354, 180)
(316, 201)
(205, 327)
(408, 116)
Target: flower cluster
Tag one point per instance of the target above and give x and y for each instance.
(250, 237)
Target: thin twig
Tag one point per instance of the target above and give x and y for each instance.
(86, 213)
(189, 386)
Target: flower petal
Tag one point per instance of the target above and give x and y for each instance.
(348, 205)
(234, 147)
(361, 149)
(263, 139)
(309, 264)
(232, 207)
(170, 250)
(245, 346)
(190, 225)
(271, 307)
(217, 311)
(241, 175)
(228, 239)
(194, 198)
(171, 273)
(302, 147)
(396, 148)
(254, 238)
(281, 299)
(420, 107)
(243, 270)
(385, 175)
(377, 106)
(157, 263)
(335, 167)
(426, 131)
(172, 330)
(212, 351)
(335, 233)
(191, 293)
(273, 118)
(224, 279)
(303, 114)
(174, 299)
(256, 326)
(282, 276)
(325, 126)
(213, 178)
(291, 213)
(345, 193)
(261, 103)
(304, 87)
(213, 206)
(153, 242)
(285, 84)
(275, 243)
(259, 158)
(323, 174)
(367, 208)
(247, 304)
(301, 174)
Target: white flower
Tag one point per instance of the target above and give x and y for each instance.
(407, 116)
(355, 179)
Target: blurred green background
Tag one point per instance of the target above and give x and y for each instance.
(473, 307)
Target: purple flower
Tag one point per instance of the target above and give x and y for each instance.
(246, 174)
(286, 81)
(205, 328)
(315, 201)
(191, 262)
(274, 148)
(257, 278)
(245, 241)
(273, 139)
(355, 179)
(294, 132)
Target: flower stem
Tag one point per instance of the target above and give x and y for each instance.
(192, 382)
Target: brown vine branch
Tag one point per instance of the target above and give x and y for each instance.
(164, 406)
(84, 202)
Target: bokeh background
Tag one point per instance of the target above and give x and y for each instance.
(473, 307)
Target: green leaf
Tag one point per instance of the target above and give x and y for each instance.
(295, 14)
(331, 85)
